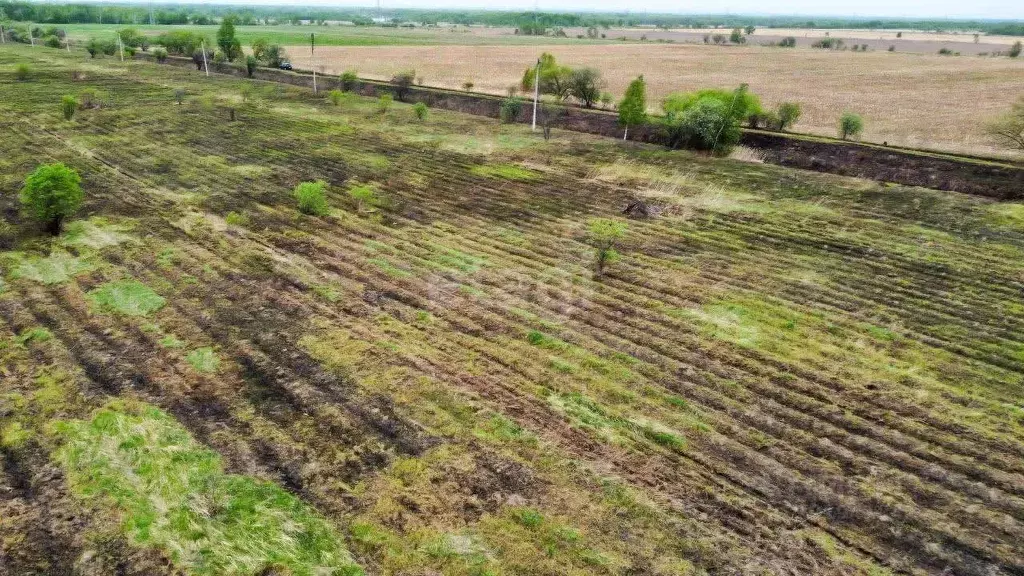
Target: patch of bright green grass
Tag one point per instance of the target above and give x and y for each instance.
(57, 268)
(173, 494)
(504, 171)
(94, 233)
(389, 268)
(171, 341)
(38, 334)
(128, 297)
(203, 360)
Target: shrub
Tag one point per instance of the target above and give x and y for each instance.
(402, 82)
(129, 51)
(312, 198)
(52, 41)
(179, 95)
(384, 103)
(945, 52)
(850, 125)
(828, 44)
(788, 113)
(132, 37)
(68, 105)
(603, 234)
(21, 72)
(335, 96)
(1008, 130)
(554, 79)
(181, 42)
(706, 125)
(160, 54)
(1015, 50)
(510, 109)
(892, 47)
(420, 110)
(736, 37)
(250, 65)
(607, 100)
(52, 194)
(585, 85)
(788, 42)
(468, 85)
(349, 80)
(742, 102)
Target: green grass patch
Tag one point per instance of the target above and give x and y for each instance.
(128, 297)
(95, 233)
(505, 172)
(389, 268)
(57, 268)
(204, 360)
(172, 494)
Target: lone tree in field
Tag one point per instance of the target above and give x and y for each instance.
(1008, 129)
(633, 108)
(787, 115)
(52, 194)
(850, 125)
(1015, 50)
(226, 40)
(554, 79)
(603, 234)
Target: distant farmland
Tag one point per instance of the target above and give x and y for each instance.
(915, 100)
(784, 372)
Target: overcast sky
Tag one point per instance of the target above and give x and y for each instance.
(1010, 9)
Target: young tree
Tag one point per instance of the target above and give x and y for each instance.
(68, 105)
(633, 108)
(787, 115)
(850, 125)
(1015, 50)
(1008, 130)
(554, 79)
(737, 36)
(226, 40)
(384, 103)
(403, 82)
(21, 72)
(585, 85)
(349, 80)
(365, 197)
(312, 198)
(259, 48)
(749, 30)
(274, 55)
(250, 65)
(160, 54)
(420, 111)
(52, 194)
(603, 234)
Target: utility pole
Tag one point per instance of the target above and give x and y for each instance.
(536, 95)
(312, 58)
(205, 65)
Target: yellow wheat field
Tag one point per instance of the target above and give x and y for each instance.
(919, 100)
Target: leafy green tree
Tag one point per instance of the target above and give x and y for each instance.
(554, 79)
(68, 105)
(52, 194)
(226, 40)
(1015, 50)
(737, 36)
(788, 113)
(403, 82)
(312, 198)
(585, 85)
(335, 96)
(259, 48)
(420, 110)
(250, 65)
(132, 37)
(349, 80)
(708, 120)
(274, 55)
(510, 109)
(1008, 130)
(749, 30)
(365, 197)
(633, 108)
(850, 125)
(603, 234)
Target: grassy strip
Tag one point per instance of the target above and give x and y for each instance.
(173, 494)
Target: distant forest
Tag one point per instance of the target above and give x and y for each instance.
(96, 13)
